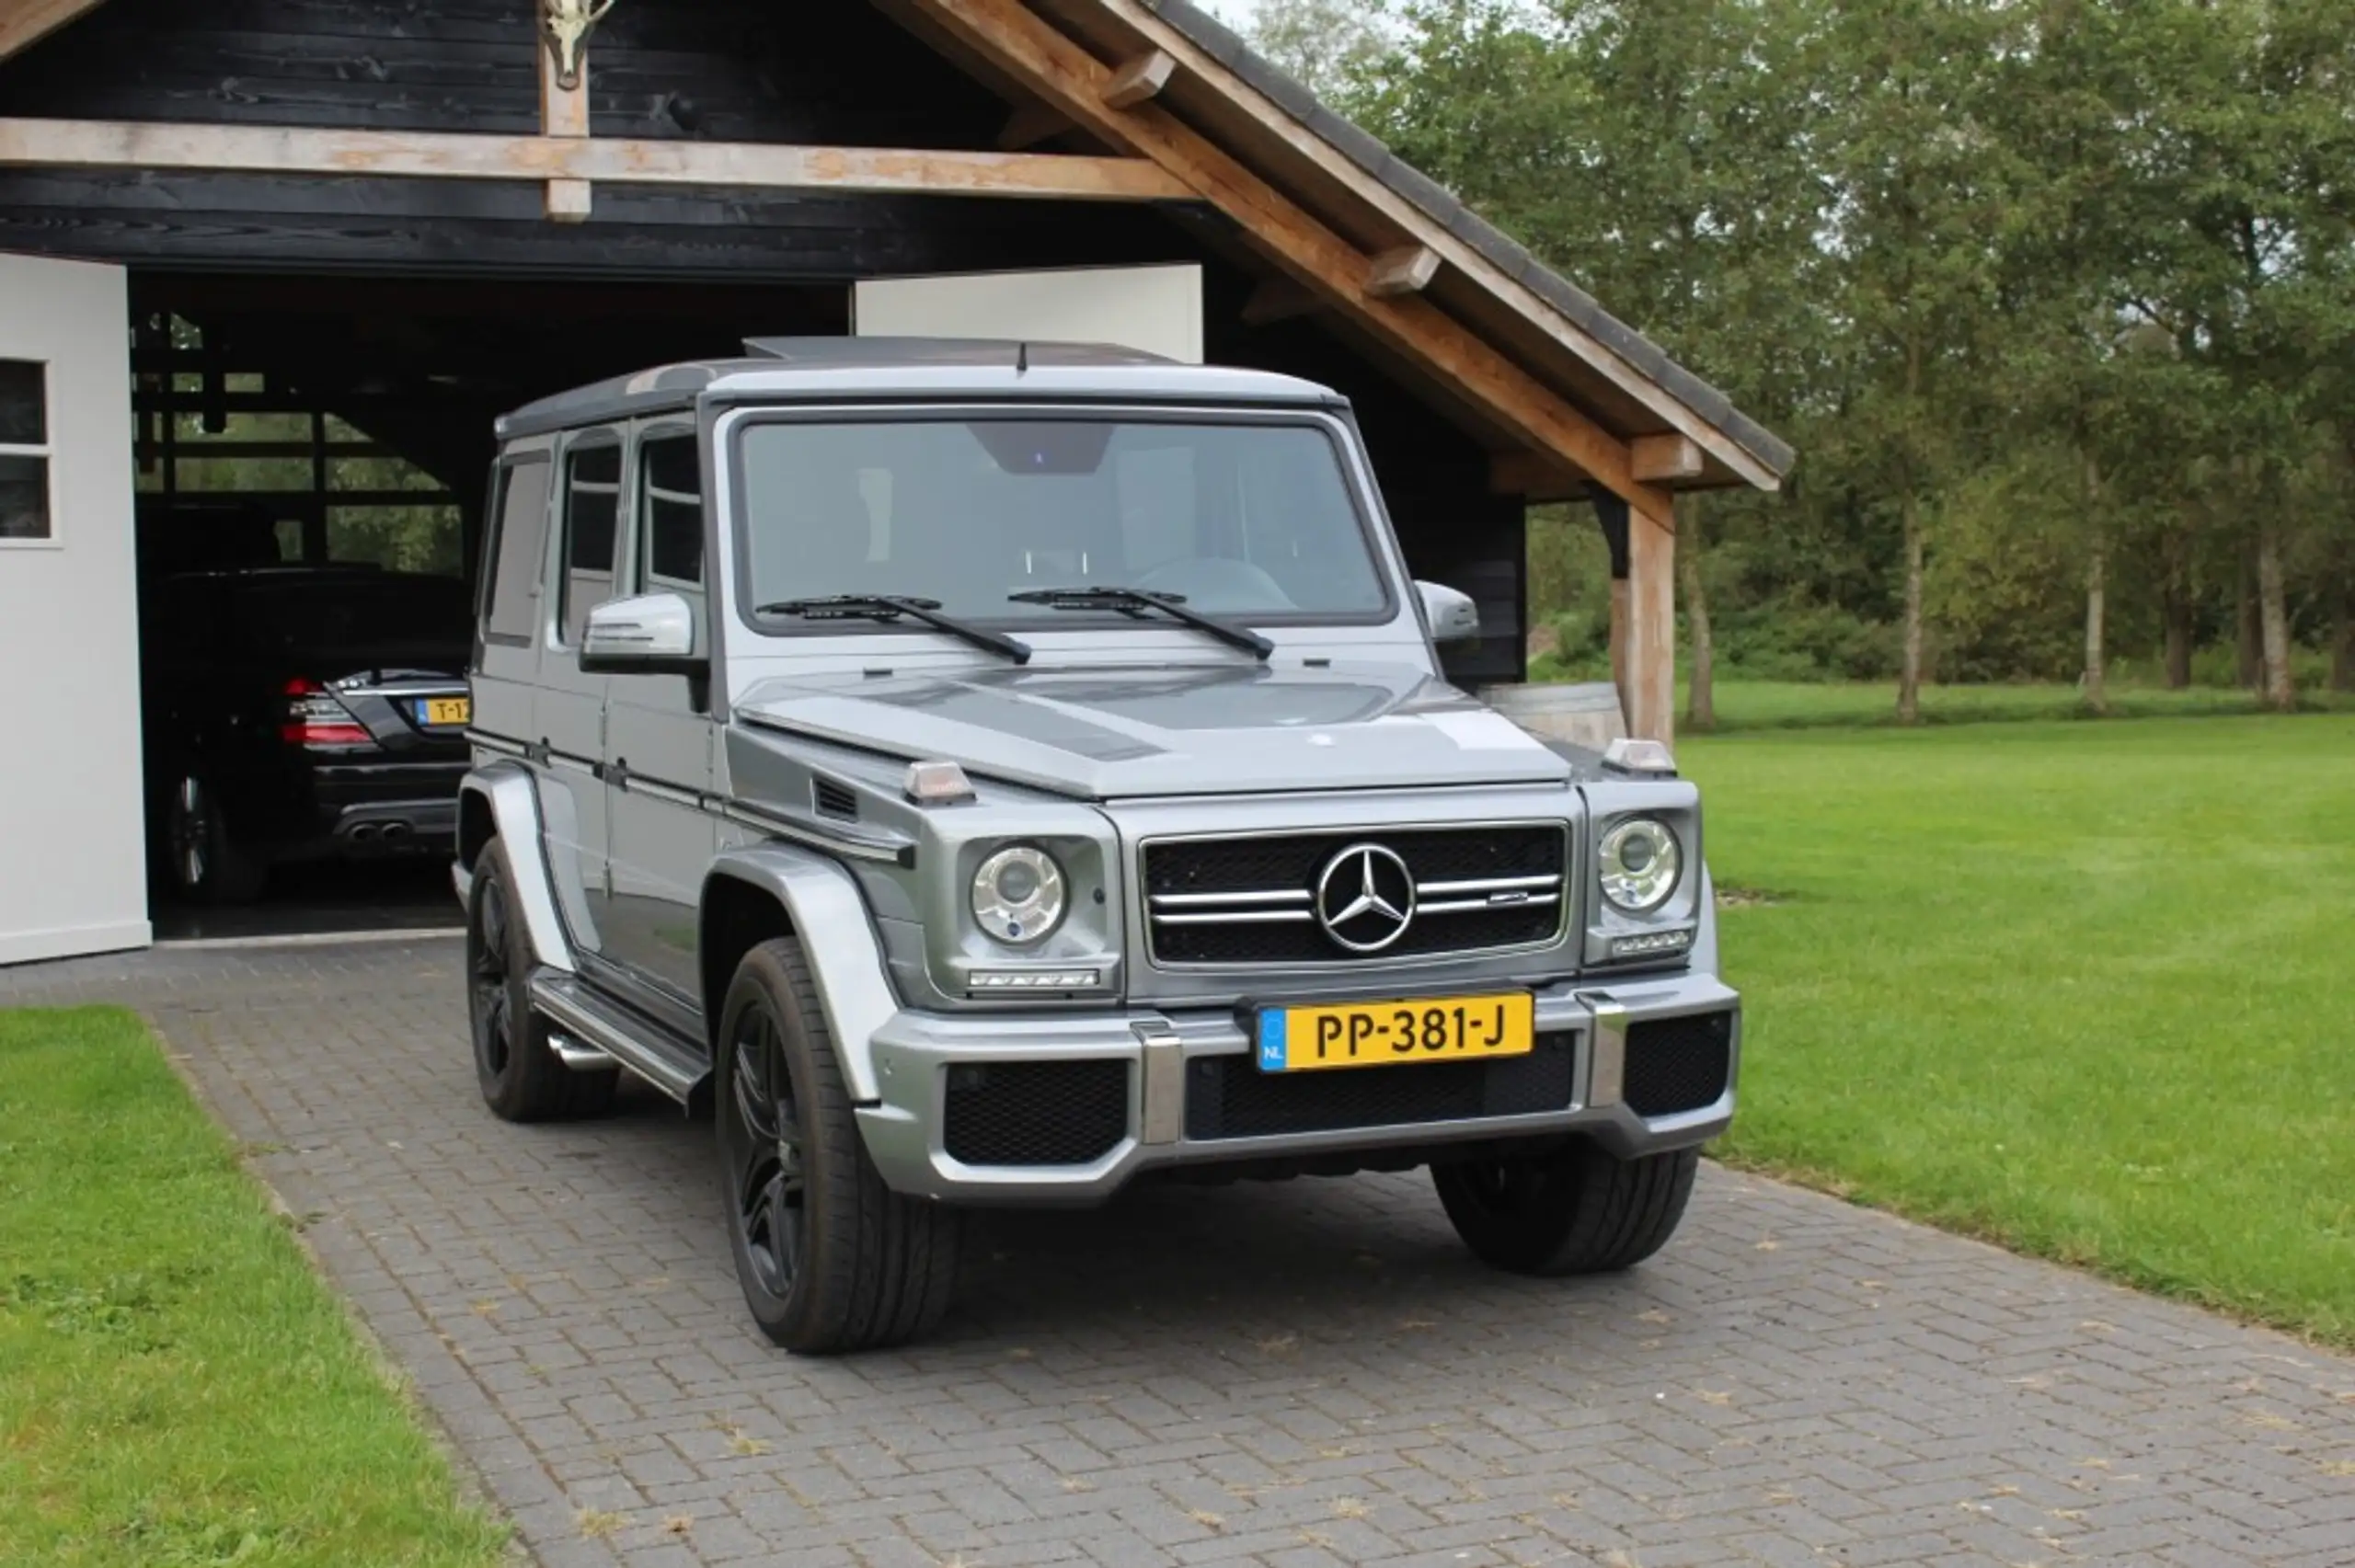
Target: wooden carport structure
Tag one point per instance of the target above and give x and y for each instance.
(1147, 104)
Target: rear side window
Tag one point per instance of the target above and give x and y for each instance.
(671, 502)
(592, 510)
(520, 523)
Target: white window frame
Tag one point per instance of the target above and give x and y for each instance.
(47, 453)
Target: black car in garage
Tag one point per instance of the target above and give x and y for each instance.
(300, 713)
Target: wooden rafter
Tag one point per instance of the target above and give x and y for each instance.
(75, 144)
(1139, 19)
(1065, 75)
(26, 22)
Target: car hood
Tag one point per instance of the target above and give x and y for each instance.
(1109, 734)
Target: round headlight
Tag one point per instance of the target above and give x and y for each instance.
(1641, 862)
(1018, 895)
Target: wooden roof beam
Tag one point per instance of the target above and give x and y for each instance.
(24, 23)
(1138, 20)
(1020, 42)
(252, 149)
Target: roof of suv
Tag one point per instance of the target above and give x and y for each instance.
(870, 368)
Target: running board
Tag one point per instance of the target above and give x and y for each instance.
(645, 1048)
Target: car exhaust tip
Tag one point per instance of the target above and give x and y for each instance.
(363, 832)
(394, 830)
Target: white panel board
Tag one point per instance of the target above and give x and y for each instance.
(72, 848)
(1157, 309)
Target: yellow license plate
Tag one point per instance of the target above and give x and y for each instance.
(449, 710)
(1378, 1034)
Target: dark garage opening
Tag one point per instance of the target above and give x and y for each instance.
(310, 453)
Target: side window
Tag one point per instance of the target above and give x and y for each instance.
(519, 529)
(24, 452)
(592, 505)
(671, 505)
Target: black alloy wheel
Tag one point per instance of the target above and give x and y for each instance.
(829, 1258)
(760, 1142)
(489, 986)
(521, 1077)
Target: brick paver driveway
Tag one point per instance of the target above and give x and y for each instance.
(1293, 1375)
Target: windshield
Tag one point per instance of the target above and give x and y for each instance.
(1252, 520)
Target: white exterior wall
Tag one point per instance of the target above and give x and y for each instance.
(1157, 309)
(73, 851)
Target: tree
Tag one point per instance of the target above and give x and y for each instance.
(1326, 45)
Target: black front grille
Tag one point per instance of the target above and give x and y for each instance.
(1678, 1064)
(1228, 1097)
(1293, 863)
(1036, 1113)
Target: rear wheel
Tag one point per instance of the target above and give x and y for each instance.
(205, 863)
(521, 1077)
(830, 1260)
(1573, 1210)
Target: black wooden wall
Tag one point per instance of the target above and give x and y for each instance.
(811, 70)
(714, 70)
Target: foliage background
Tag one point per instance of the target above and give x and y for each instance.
(2056, 298)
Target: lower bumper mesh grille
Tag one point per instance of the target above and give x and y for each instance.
(1678, 1064)
(1036, 1113)
(1230, 1097)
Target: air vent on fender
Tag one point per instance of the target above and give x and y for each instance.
(833, 799)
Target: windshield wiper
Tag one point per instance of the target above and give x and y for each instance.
(893, 607)
(1136, 601)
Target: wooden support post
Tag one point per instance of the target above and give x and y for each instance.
(1650, 684)
(564, 112)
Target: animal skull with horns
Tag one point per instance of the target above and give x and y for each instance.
(569, 23)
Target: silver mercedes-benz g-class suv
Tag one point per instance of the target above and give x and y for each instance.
(986, 774)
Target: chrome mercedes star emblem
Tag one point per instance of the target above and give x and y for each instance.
(1365, 899)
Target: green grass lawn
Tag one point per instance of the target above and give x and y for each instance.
(177, 1389)
(2086, 990)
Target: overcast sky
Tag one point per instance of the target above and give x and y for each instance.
(1236, 14)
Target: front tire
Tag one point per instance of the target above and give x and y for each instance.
(1572, 1210)
(830, 1260)
(521, 1077)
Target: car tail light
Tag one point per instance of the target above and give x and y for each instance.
(315, 719)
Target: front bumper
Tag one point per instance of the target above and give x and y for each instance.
(916, 1053)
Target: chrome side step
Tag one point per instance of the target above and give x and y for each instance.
(647, 1048)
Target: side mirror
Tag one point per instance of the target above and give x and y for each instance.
(1450, 613)
(651, 635)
